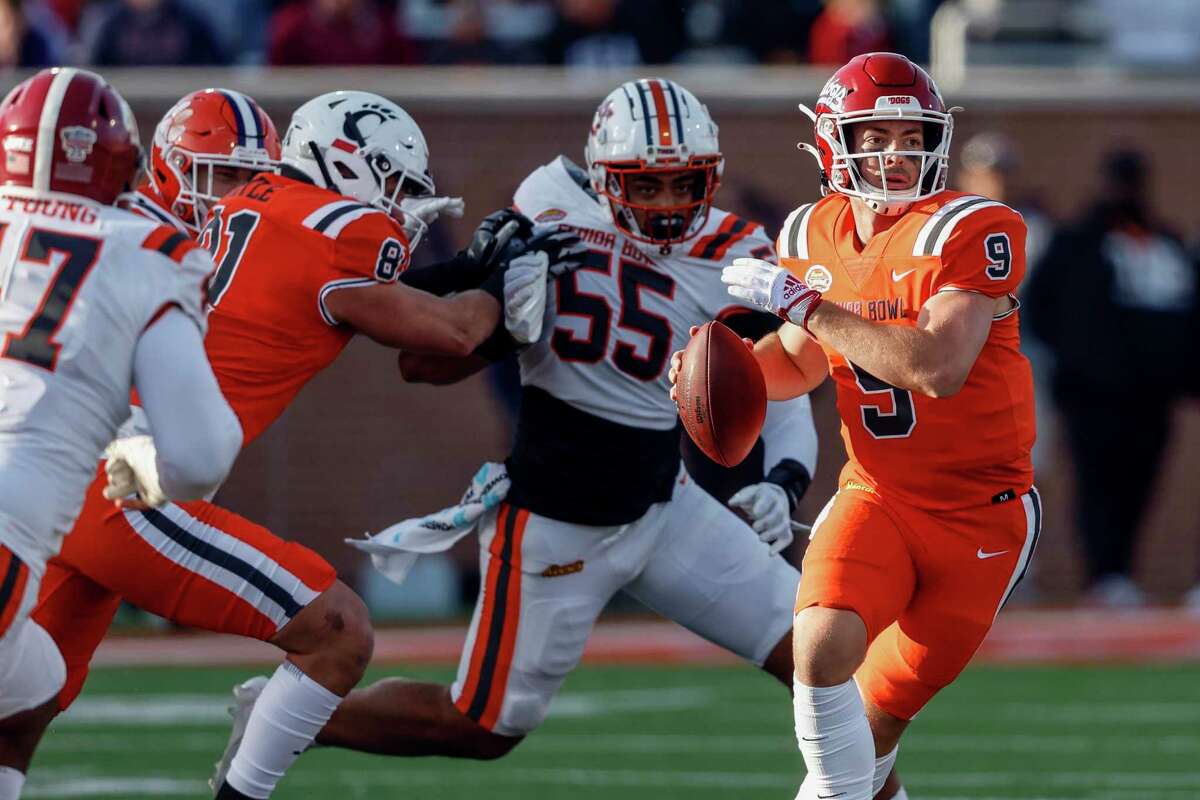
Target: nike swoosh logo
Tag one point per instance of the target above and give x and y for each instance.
(828, 796)
(982, 555)
(817, 739)
(899, 276)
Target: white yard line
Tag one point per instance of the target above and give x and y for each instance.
(198, 709)
(118, 787)
(594, 704)
(160, 710)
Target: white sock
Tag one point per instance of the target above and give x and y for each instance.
(11, 781)
(288, 714)
(883, 767)
(835, 740)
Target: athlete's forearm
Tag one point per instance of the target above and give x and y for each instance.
(402, 317)
(790, 366)
(906, 357)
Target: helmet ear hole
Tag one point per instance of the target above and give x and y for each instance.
(345, 171)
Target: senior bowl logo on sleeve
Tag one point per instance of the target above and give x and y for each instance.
(551, 215)
(77, 142)
(819, 278)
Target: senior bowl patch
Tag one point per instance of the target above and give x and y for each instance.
(550, 215)
(819, 278)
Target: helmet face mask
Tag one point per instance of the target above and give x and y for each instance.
(206, 131)
(883, 88)
(361, 145)
(660, 223)
(654, 128)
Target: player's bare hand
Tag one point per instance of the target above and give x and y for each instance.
(677, 363)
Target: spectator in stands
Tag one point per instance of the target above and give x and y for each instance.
(23, 42)
(68, 12)
(616, 33)
(748, 31)
(240, 26)
(131, 33)
(332, 32)
(480, 31)
(848, 28)
(1117, 299)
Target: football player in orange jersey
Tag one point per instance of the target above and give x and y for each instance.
(905, 293)
(208, 143)
(304, 261)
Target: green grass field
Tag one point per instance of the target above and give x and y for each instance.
(636, 733)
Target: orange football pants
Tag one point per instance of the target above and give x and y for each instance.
(926, 584)
(195, 564)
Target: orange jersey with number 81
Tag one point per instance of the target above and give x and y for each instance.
(281, 246)
(935, 453)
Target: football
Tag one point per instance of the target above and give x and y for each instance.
(721, 395)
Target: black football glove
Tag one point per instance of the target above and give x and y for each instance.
(565, 250)
(494, 235)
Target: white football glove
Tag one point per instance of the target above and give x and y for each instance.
(772, 289)
(525, 295)
(132, 470)
(766, 505)
(421, 212)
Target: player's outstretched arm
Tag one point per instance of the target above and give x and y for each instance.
(399, 316)
(196, 434)
(933, 358)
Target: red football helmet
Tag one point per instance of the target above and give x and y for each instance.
(204, 130)
(67, 130)
(880, 86)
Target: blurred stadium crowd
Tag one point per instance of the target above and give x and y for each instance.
(577, 33)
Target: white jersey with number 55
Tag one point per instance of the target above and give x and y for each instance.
(616, 320)
(79, 283)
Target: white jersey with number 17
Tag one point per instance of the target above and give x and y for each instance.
(79, 283)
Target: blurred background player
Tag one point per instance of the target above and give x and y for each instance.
(573, 531)
(936, 516)
(1119, 363)
(90, 296)
(304, 261)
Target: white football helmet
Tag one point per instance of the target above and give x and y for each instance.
(653, 126)
(355, 143)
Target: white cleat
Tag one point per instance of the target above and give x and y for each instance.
(245, 695)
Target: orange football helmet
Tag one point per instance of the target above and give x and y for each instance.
(208, 129)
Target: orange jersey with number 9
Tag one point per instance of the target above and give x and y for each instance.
(935, 453)
(281, 246)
